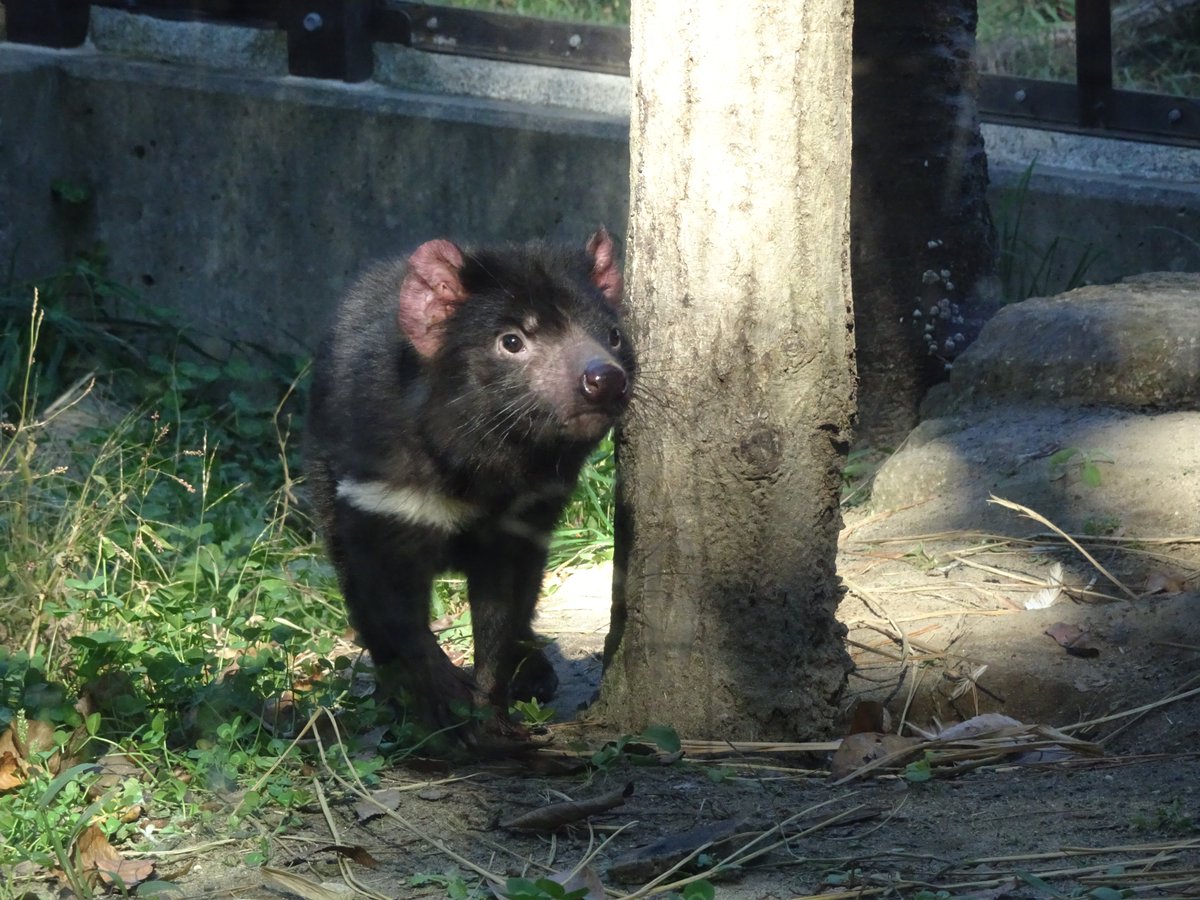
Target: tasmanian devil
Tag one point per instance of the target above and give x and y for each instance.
(454, 401)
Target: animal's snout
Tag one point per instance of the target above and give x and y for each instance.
(603, 382)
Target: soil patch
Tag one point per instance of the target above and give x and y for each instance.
(939, 632)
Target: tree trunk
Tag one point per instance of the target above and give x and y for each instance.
(723, 621)
(922, 236)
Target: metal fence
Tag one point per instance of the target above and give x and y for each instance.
(334, 38)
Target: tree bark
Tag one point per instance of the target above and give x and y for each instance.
(723, 622)
(924, 245)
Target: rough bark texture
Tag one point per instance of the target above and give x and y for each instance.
(923, 241)
(739, 290)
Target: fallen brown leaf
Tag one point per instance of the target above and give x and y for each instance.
(355, 852)
(12, 773)
(94, 853)
(114, 769)
(859, 749)
(1075, 640)
(1162, 583)
(365, 810)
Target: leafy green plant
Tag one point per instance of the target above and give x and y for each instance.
(160, 587)
(1086, 461)
(918, 770)
(455, 886)
(920, 559)
(633, 747)
(540, 889)
(585, 534)
(533, 712)
(1169, 818)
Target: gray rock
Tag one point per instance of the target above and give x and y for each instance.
(1084, 407)
(1135, 344)
(1146, 468)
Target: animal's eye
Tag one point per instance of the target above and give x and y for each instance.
(512, 342)
(614, 338)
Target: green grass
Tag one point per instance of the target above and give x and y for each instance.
(1029, 268)
(163, 600)
(602, 12)
(158, 585)
(1027, 39)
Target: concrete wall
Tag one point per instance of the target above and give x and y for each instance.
(1129, 206)
(33, 151)
(246, 202)
(245, 199)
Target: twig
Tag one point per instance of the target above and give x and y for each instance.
(1038, 517)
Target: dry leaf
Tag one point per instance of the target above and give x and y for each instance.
(95, 854)
(31, 738)
(1162, 583)
(365, 810)
(114, 769)
(304, 887)
(969, 728)
(1075, 640)
(585, 880)
(963, 677)
(12, 772)
(859, 749)
(352, 851)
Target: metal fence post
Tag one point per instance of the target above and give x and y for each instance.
(49, 23)
(1093, 62)
(329, 38)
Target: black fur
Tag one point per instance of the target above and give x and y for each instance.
(498, 440)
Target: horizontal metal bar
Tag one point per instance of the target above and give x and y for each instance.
(250, 13)
(468, 32)
(1132, 115)
(604, 48)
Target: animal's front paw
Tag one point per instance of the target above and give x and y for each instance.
(535, 678)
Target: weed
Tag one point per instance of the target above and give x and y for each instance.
(158, 597)
(918, 770)
(920, 559)
(604, 12)
(1087, 462)
(1170, 818)
(1027, 269)
(585, 536)
(541, 889)
(533, 712)
(455, 886)
(1102, 525)
(634, 748)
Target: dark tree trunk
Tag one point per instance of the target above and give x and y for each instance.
(922, 239)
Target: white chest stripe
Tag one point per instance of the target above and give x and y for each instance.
(415, 505)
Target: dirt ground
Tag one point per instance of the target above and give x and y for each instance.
(939, 632)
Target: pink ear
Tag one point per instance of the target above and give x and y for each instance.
(605, 273)
(430, 293)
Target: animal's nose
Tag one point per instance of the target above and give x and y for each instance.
(603, 382)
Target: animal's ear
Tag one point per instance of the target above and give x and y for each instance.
(606, 275)
(430, 293)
